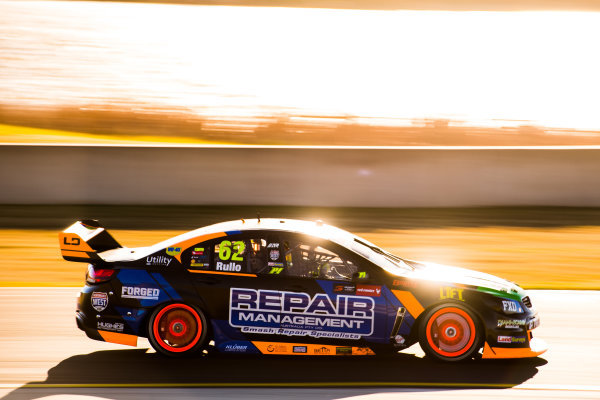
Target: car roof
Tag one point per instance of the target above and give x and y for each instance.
(316, 229)
(312, 228)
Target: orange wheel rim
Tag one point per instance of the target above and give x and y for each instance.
(177, 328)
(450, 332)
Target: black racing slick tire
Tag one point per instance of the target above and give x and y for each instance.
(177, 330)
(450, 332)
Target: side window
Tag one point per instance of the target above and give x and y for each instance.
(230, 255)
(263, 253)
(242, 254)
(257, 256)
(312, 260)
(265, 256)
(200, 256)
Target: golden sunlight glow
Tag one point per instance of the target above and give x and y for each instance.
(474, 67)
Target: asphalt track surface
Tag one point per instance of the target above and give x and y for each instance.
(44, 355)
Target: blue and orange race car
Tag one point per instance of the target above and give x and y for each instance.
(281, 286)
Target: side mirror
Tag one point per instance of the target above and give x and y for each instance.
(360, 276)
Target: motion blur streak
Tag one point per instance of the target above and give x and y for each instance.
(250, 62)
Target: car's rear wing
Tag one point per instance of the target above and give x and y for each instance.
(83, 240)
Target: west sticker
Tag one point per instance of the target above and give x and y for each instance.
(99, 301)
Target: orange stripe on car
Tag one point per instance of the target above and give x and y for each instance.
(409, 301)
(119, 338)
(71, 253)
(503, 352)
(195, 271)
(534, 350)
(186, 244)
(305, 349)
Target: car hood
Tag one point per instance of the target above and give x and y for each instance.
(456, 275)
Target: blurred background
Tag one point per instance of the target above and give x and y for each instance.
(194, 77)
(331, 72)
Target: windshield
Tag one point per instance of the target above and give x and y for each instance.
(392, 259)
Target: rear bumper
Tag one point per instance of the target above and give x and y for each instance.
(105, 336)
(536, 347)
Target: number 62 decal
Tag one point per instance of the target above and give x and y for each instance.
(226, 248)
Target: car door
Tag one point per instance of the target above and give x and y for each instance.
(330, 293)
(231, 277)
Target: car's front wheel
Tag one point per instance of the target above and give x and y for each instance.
(450, 332)
(177, 329)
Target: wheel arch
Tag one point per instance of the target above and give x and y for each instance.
(414, 331)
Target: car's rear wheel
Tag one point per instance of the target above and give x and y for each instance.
(177, 329)
(450, 332)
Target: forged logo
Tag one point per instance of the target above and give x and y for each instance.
(142, 293)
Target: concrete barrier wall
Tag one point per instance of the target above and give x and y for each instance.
(391, 177)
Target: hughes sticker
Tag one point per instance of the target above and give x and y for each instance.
(111, 326)
(299, 314)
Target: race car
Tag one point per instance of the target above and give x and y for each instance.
(291, 287)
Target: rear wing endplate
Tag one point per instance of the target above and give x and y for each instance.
(83, 240)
